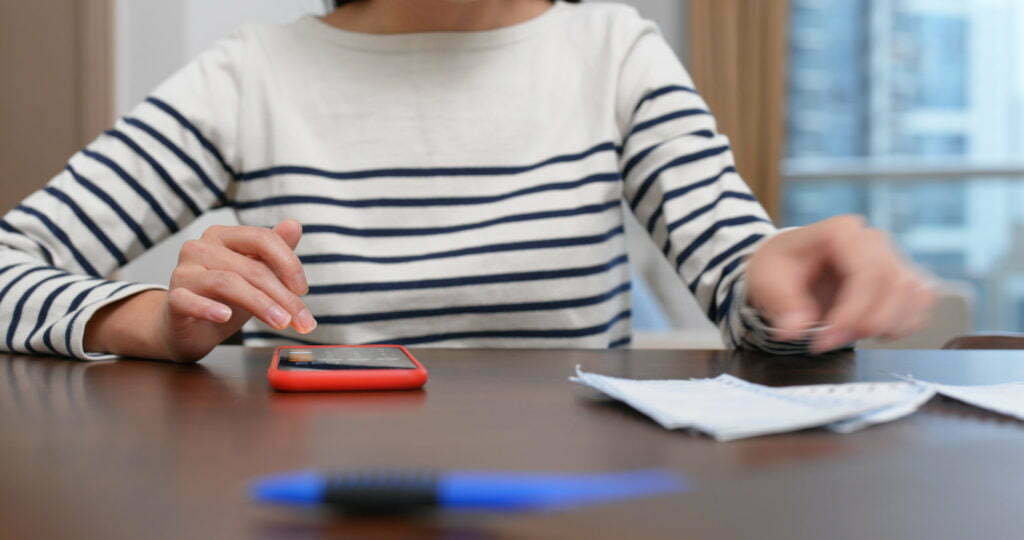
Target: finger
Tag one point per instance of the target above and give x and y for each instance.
(894, 310)
(857, 296)
(784, 298)
(290, 231)
(186, 303)
(864, 263)
(267, 246)
(232, 289)
(919, 310)
(264, 279)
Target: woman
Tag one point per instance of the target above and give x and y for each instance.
(457, 167)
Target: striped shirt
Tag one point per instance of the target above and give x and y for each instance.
(455, 189)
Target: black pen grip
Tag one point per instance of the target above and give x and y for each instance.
(382, 492)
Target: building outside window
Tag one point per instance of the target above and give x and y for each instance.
(911, 112)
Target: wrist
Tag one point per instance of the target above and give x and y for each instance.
(132, 326)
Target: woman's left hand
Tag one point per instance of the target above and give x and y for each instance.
(840, 274)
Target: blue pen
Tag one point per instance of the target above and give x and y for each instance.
(402, 492)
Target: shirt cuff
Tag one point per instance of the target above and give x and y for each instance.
(75, 329)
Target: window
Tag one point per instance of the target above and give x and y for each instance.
(911, 112)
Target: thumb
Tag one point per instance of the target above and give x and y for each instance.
(780, 291)
(289, 230)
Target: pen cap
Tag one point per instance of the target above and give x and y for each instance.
(554, 491)
(305, 488)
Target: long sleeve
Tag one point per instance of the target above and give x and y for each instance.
(156, 170)
(682, 185)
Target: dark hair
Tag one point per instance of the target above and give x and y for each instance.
(339, 3)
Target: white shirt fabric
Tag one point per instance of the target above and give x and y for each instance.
(456, 189)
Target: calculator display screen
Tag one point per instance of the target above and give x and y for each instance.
(340, 358)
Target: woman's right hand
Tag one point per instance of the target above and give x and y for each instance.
(224, 278)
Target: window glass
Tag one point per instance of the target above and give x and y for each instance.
(922, 103)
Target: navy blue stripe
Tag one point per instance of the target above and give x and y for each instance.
(16, 314)
(788, 346)
(136, 187)
(271, 335)
(795, 344)
(710, 231)
(119, 289)
(723, 310)
(723, 255)
(102, 195)
(7, 268)
(10, 285)
(62, 236)
(523, 334)
(424, 231)
(680, 191)
(6, 226)
(743, 320)
(420, 172)
(47, 340)
(748, 332)
(209, 146)
(621, 342)
(476, 250)
(668, 117)
(713, 313)
(661, 92)
(67, 332)
(636, 159)
(160, 170)
(82, 295)
(185, 158)
(462, 281)
(705, 209)
(462, 310)
(44, 310)
(71, 323)
(89, 224)
(425, 201)
(681, 160)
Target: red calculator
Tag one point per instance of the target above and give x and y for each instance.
(324, 368)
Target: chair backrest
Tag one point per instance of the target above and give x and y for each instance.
(986, 341)
(950, 317)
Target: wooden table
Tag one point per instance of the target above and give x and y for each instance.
(135, 449)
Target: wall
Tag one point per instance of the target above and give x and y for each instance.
(59, 59)
(670, 16)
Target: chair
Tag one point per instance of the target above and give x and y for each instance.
(951, 316)
(986, 341)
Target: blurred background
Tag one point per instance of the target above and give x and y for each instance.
(905, 111)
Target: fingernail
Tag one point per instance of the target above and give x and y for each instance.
(304, 322)
(279, 318)
(220, 313)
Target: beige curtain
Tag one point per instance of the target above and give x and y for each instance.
(57, 94)
(738, 52)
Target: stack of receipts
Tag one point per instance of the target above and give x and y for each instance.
(727, 408)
